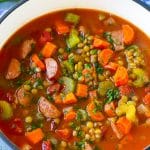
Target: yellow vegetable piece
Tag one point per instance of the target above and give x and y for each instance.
(126, 108)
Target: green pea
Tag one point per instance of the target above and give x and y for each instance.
(61, 50)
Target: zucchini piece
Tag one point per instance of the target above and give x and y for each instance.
(73, 39)
(6, 110)
(141, 77)
(104, 87)
(69, 66)
(72, 18)
(69, 84)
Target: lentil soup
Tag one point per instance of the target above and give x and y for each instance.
(76, 79)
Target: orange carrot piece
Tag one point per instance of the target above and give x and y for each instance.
(82, 90)
(146, 99)
(124, 125)
(128, 34)
(63, 133)
(69, 116)
(110, 109)
(58, 99)
(37, 61)
(121, 76)
(70, 99)
(35, 136)
(111, 66)
(48, 49)
(99, 43)
(104, 56)
(62, 28)
(95, 116)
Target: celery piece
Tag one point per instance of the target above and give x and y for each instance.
(69, 84)
(72, 18)
(7, 111)
(141, 77)
(104, 86)
(69, 66)
(73, 39)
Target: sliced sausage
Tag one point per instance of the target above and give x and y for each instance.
(117, 37)
(53, 88)
(26, 48)
(51, 67)
(14, 69)
(48, 109)
(23, 97)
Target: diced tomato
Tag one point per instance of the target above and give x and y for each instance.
(45, 37)
(16, 126)
(125, 90)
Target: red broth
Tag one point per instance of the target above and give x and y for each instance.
(76, 79)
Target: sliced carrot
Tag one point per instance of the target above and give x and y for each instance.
(35, 136)
(63, 133)
(99, 43)
(110, 109)
(128, 34)
(48, 49)
(70, 99)
(62, 28)
(37, 61)
(82, 90)
(58, 99)
(95, 116)
(111, 66)
(104, 56)
(69, 116)
(121, 76)
(124, 125)
(146, 99)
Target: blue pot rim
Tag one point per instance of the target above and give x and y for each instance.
(6, 143)
(18, 4)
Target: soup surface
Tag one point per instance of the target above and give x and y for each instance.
(76, 80)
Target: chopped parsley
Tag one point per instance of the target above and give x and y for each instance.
(99, 68)
(98, 106)
(112, 94)
(80, 145)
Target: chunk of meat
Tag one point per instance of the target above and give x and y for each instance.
(13, 69)
(51, 67)
(53, 88)
(26, 48)
(118, 134)
(45, 37)
(48, 109)
(117, 37)
(110, 21)
(23, 97)
(88, 147)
